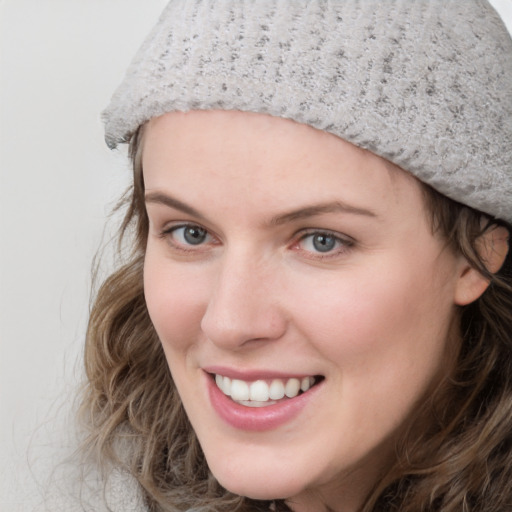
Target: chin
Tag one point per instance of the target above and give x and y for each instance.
(261, 492)
(253, 483)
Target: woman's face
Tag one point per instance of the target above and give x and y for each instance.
(282, 257)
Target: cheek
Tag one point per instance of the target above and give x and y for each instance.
(390, 314)
(384, 334)
(175, 300)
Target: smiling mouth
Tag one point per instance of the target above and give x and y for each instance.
(262, 393)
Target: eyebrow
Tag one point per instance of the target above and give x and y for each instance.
(171, 202)
(319, 209)
(298, 214)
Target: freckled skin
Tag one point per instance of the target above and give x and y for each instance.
(373, 316)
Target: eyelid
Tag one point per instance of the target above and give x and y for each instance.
(344, 242)
(167, 232)
(321, 231)
(347, 243)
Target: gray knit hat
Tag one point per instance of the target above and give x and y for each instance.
(426, 84)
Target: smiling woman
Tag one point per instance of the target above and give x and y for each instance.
(260, 303)
(316, 314)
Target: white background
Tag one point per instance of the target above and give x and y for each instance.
(60, 61)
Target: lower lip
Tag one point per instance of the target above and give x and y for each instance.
(257, 418)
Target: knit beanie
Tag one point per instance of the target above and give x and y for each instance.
(426, 84)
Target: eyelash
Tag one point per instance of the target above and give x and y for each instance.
(169, 234)
(342, 243)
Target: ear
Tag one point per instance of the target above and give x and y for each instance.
(492, 247)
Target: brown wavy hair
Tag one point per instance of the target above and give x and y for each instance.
(455, 456)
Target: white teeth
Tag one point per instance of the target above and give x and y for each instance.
(254, 403)
(239, 390)
(259, 393)
(306, 383)
(226, 386)
(276, 391)
(292, 388)
(223, 383)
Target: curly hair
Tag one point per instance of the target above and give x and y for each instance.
(454, 456)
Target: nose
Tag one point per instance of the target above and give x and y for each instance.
(244, 304)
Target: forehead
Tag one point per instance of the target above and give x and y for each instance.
(254, 156)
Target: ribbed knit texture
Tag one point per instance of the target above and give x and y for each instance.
(426, 84)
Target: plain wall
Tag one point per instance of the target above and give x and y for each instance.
(60, 61)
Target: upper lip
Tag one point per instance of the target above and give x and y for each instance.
(251, 375)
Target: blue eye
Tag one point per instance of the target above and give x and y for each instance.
(189, 235)
(323, 243)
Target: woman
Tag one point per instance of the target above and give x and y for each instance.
(316, 311)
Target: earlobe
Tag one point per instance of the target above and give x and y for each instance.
(492, 247)
(471, 285)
